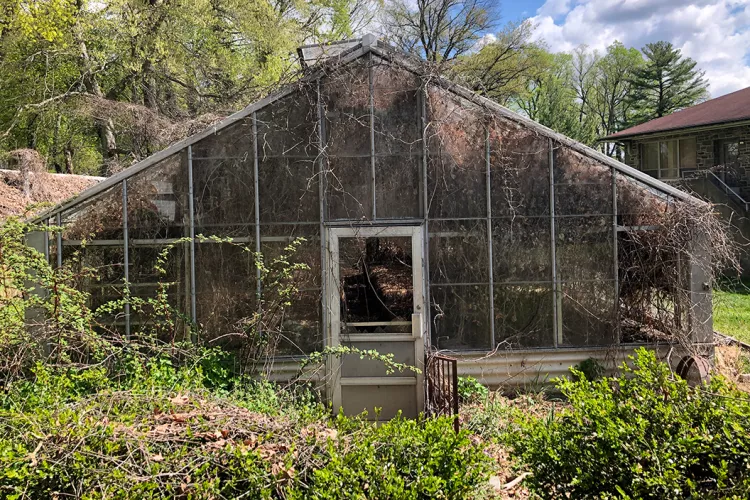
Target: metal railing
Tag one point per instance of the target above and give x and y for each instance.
(719, 183)
(441, 375)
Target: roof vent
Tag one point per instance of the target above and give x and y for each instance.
(309, 55)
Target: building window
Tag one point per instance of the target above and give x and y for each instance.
(728, 162)
(666, 159)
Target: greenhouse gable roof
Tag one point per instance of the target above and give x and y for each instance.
(369, 44)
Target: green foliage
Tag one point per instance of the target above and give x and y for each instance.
(590, 369)
(471, 390)
(162, 435)
(110, 81)
(406, 459)
(667, 83)
(646, 434)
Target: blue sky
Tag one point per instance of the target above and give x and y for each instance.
(514, 11)
(716, 33)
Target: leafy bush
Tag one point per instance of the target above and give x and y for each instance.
(646, 434)
(471, 389)
(80, 434)
(591, 369)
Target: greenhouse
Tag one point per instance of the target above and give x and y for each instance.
(426, 218)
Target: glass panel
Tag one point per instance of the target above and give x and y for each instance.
(583, 199)
(524, 316)
(226, 289)
(275, 239)
(459, 252)
(346, 103)
(158, 200)
(376, 282)
(349, 188)
(397, 187)
(99, 271)
(521, 249)
(588, 313)
(729, 171)
(460, 317)
(145, 281)
(668, 153)
(637, 203)
(224, 197)
(300, 328)
(289, 126)
(650, 158)
(234, 141)
(584, 248)
(582, 186)
(688, 154)
(648, 309)
(519, 159)
(397, 113)
(288, 190)
(457, 167)
(99, 218)
(455, 190)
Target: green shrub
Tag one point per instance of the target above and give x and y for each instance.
(471, 389)
(591, 369)
(646, 434)
(161, 434)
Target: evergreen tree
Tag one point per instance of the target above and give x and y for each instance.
(667, 83)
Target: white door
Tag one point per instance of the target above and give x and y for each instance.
(375, 301)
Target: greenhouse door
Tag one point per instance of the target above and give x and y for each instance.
(376, 302)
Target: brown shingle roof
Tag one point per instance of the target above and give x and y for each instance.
(725, 109)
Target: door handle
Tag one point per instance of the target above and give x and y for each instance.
(416, 325)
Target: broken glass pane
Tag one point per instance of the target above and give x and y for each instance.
(376, 283)
(158, 200)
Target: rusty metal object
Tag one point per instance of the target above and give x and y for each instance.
(442, 387)
(694, 369)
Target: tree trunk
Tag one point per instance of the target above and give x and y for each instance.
(68, 160)
(104, 126)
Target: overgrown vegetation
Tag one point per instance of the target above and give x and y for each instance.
(644, 434)
(162, 434)
(88, 413)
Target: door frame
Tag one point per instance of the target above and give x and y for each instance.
(333, 299)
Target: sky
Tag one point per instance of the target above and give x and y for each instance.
(715, 33)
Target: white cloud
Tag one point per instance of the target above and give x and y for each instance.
(716, 33)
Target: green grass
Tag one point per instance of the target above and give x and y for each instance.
(732, 310)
